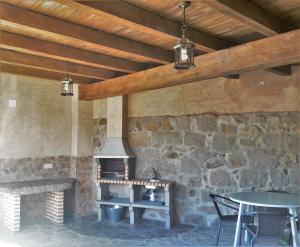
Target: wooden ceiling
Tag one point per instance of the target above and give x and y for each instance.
(101, 40)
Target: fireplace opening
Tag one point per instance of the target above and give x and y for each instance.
(115, 168)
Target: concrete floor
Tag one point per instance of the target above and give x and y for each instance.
(87, 232)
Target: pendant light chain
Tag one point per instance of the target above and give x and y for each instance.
(184, 50)
(184, 26)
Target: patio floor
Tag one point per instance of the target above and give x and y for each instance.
(87, 232)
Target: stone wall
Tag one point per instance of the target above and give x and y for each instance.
(208, 153)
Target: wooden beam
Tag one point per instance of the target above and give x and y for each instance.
(104, 41)
(262, 54)
(65, 53)
(249, 14)
(145, 21)
(31, 61)
(17, 69)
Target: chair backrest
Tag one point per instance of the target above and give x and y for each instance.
(223, 205)
(271, 221)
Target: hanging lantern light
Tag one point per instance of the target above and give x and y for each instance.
(67, 85)
(184, 50)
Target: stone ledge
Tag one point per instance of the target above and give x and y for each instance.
(36, 186)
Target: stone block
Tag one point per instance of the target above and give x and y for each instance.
(253, 178)
(271, 143)
(261, 160)
(96, 142)
(180, 191)
(224, 144)
(204, 195)
(166, 124)
(221, 178)
(139, 140)
(193, 139)
(166, 138)
(173, 152)
(236, 160)
(228, 129)
(241, 119)
(192, 193)
(250, 133)
(195, 182)
(208, 209)
(148, 154)
(206, 123)
(279, 178)
(189, 166)
(293, 143)
(102, 121)
(195, 219)
(181, 123)
(294, 176)
(215, 161)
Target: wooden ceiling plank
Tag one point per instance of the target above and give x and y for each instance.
(21, 70)
(250, 14)
(61, 52)
(100, 39)
(266, 53)
(140, 19)
(31, 61)
(146, 21)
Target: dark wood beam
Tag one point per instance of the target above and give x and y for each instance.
(60, 52)
(104, 41)
(249, 14)
(21, 70)
(266, 53)
(149, 22)
(48, 64)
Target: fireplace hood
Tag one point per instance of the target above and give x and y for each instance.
(116, 145)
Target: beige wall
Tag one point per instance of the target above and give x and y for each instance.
(258, 91)
(41, 123)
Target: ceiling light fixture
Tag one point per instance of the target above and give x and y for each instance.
(184, 50)
(67, 85)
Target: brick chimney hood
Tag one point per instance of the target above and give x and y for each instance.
(116, 145)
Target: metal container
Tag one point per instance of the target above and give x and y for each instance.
(114, 213)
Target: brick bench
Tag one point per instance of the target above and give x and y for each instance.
(12, 192)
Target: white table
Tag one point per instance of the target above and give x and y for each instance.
(267, 199)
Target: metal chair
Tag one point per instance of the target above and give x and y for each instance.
(269, 222)
(298, 227)
(225, 209)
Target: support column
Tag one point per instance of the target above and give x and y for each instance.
(55, 207)
(11, 211)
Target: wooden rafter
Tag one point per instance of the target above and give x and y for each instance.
(17, 69)
(109, 43)
(31, 61)
(65, 53)
(262, 54)
(146, 21)
(250, 14)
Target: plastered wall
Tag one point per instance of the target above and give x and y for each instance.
(257, 91)
(40, 124)
(45, 128)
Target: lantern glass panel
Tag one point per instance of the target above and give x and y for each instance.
(184, 54)
(67, 87)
